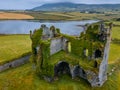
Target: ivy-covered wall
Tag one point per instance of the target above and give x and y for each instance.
(88, 40)
(85, 41)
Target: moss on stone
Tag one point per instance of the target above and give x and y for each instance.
(88, 40)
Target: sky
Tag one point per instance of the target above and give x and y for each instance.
(28, 4)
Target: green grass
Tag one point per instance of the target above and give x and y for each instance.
(24, 78)
(71, 59)
(13, 46)
(115, 47)
(20, 77)
(70, 16)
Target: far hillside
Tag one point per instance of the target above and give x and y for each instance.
(67, 6)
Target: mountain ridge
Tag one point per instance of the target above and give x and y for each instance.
(68, 6)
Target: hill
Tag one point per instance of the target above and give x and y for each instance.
(66, 6)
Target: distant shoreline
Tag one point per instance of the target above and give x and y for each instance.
(42, 16)
(56, 16)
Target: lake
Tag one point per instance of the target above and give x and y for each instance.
(24, 26)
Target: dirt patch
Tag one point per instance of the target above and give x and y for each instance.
(5, 15)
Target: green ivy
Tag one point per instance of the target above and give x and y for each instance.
(78, 44)
(36, 37)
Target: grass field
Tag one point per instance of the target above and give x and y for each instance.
(115, 46)
(24, 78)
(70, 16)
(13, 46)
(5, 15)
(57, 15)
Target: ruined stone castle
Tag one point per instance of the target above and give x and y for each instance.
(84, 56)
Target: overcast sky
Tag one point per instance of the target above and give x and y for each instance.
(28, 4)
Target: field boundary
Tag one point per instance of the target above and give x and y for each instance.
(15, 63)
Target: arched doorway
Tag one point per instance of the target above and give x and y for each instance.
(61, 68)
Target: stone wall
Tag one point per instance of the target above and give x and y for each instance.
(104, 64)
(99, 79)
(14, 63)
(64, 67)
(57, 44)
(77, 71)
(47, 32)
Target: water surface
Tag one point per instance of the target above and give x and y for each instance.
(24, 26)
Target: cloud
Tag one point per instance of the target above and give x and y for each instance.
(27, 4)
